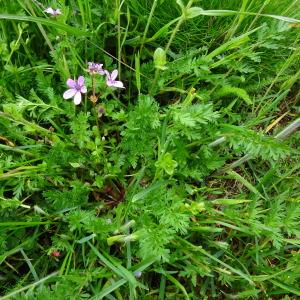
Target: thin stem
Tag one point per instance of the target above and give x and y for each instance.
(41, 28)
(13, 49)
(24, 45)
(181, 20)
(154, 4)
(119, 37)
(258, 14)
(289, 7)
(217, 142)
(287, 63)
(94, 84)
(238, 20)
(288, 130)
(82, 13)
(174, 32)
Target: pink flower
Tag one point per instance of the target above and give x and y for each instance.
(95, 68)
(77, 88)
(111, 79)
(53, 12)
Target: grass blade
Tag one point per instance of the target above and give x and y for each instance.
(115, 267)
(48, 22)
(198, 11)
(30, 286)
(108, 290)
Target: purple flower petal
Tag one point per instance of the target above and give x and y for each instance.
(77, 98)
(83, 89)
(77, 87)
(57, 12)
(138, 274)
(80, 81)
(114, 74)
(109, 82)
(71, 83)
(118, 84)
(69, 93)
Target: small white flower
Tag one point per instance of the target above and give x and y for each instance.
(53, 12)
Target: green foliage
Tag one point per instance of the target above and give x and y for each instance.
(131, 195)
(226, 90)
(255, 143)
(166, 163)
(60, 200)
(80, 130)
(189, 121)
(140, 130)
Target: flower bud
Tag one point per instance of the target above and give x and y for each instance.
(160, 59)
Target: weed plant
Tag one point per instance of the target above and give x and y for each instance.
(178, 179)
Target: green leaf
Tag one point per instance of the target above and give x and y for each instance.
(231, 44)
(29, 286)
(206, 229)
(141, 195)
(244, 181)
(138, 72)
(289, 288)
(241, 93)
(198, 11)
(162, 31)
(75, 165)
(177, 284)
(185, 119)
(166, 163)
(114, 266)
(108, 290)
(229, 201)
(49, 22)
(24, 224)
(193, 12)
(86, 238)
(9, 203)
(116, 284)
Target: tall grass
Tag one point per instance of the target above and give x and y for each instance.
(183, 185)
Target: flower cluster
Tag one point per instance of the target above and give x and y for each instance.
(94, 68)
(77, 87)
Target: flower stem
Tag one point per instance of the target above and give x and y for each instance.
(94, 84)
(148, 24)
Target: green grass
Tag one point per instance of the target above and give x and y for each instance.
(183, 185)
